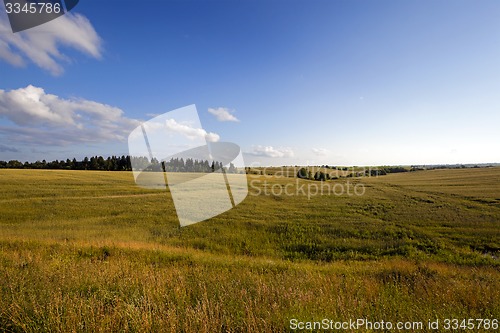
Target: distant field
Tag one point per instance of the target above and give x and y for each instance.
(90, 251)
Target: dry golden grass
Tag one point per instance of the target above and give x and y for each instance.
(91, 252)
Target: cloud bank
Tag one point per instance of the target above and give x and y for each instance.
(41, 45)
(47, 119)
(4, 148)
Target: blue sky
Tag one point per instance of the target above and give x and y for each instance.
(310, 82)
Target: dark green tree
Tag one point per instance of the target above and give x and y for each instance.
(302, 173)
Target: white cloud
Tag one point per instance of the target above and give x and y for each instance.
(223, 114)
(269, 151)
(50, 120)
(212, 137)
(320, 151)
(191, 132)
(41, 44)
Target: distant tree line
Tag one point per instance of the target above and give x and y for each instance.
(181, 165)
(304, 173)
(122, 163)
(112, 163)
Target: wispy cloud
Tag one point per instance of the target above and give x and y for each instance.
(47, 119)
(41, 45)
(223, 114)
(4, 148)
(269, 151)
(191, 132)
(152, 115)
(320, 151)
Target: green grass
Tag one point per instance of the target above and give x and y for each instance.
(88, 251)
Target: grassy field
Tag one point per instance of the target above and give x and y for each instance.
(85, 251)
